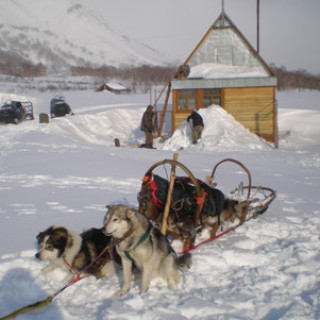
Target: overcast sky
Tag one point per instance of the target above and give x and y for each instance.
(289, 29)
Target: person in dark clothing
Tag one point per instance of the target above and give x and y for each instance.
(147, 126)
(197, 125)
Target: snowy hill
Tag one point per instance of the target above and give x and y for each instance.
(63, 33)
(65, 172)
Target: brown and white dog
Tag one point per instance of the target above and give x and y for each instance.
(72, 252)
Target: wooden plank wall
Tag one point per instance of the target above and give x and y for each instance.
(177, 116)
(253, 108)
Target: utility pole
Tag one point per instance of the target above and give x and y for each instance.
(258, 26)
(222, 7)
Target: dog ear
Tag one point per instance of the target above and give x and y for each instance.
(130, 214)
(39, 236)
(109, 206)
(60, 237)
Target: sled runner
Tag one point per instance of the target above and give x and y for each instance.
(184, 206)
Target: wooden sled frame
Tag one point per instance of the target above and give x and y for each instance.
(199, 191)
(258, 197)
(210, 178)
(256, 205)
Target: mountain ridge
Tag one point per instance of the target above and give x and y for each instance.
(66, 33)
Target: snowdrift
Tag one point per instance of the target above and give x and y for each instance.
(221, 132)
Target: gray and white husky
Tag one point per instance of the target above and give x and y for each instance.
(143, 245)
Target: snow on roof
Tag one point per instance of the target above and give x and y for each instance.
(116, 86)
(218, 71)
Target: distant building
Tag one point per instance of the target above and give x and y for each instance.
(116, 88)
(224, 69)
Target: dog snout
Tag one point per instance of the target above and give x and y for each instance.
(108, 234)
(37, 255)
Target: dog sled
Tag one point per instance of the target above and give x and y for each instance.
(183, 207)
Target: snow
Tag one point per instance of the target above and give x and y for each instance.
(67, 33)
(65, 172)
(223, 71)
(116, 86)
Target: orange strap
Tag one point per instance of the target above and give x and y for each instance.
(146, 179)
(200, 201)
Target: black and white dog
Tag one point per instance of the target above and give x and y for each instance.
(72, 252)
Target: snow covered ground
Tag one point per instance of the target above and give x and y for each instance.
(65, 172)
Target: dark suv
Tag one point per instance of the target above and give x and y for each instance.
(59, 108)
(16, 111)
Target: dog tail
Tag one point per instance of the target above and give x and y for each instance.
(184, 261)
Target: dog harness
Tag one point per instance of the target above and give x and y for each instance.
(155, 184)
(96, 264)
(149, 180)
(142, 240)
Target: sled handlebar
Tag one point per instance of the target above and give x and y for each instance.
(210, 178)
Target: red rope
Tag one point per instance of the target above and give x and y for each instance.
(206, 241)
(78, 274)
(69, 284)
(71, 268)
(215, 237)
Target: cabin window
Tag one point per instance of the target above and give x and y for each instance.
(187, 100)
(211, 96)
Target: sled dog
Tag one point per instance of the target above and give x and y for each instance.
(143, 245)
(72, 252)
(232, 210)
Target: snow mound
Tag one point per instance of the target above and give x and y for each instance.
(221, 132)
(295, 134)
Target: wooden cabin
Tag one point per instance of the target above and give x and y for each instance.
(116, 88)
(224, 69)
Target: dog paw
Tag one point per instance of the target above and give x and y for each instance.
(121, 293)
(143, 290)
(48, 269)
(172, 286)
(101, 274)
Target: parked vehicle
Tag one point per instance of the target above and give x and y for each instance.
(16, 111)
(59, 107)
